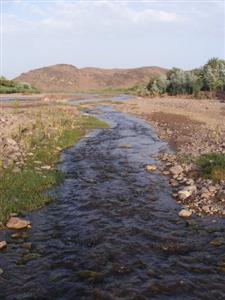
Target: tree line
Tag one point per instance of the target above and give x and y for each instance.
(210, 77)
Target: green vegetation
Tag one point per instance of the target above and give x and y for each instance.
(209, 78)
(212, 166)
(10, 86)
(24, 191)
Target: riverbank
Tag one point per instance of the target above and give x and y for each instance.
(32, 136)
(194, 129)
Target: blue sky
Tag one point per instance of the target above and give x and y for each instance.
(110, 34)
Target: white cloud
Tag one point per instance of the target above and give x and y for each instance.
(110, 34)
(102, 15)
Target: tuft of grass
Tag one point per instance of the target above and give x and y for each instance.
(212, 166)
(24, 191)
(90, 122)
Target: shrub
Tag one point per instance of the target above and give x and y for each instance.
(158, 85)
(212, 166)
(213, 74)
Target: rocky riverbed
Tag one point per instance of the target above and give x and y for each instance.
(192, 128)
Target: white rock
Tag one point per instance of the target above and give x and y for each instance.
(185, 213)
(187, 192)
(151, 168)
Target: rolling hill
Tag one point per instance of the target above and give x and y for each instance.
(68, 78)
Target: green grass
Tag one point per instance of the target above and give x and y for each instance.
(24, 191)
(212, 166)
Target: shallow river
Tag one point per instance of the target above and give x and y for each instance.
(114, 231)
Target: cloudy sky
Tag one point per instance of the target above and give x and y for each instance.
(110, 34)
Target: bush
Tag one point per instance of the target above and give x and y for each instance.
(212, 166)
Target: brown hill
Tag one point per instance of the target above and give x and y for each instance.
(67, 78)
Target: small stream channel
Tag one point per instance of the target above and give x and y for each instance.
(114, 231)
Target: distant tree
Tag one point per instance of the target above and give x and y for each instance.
(177, 81)
(193, 83)
(158, 85)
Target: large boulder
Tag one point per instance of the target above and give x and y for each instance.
(176, 170)
(17, 223)
(187, 192)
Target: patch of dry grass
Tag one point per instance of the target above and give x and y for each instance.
(49, 131)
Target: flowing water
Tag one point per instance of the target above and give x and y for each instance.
(114, 231)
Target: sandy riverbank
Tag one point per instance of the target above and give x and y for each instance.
(196, 126)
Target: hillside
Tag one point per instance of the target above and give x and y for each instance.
(68, 78)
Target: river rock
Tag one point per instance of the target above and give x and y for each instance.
(189, 182)
(3, 244)
(185, 213)
(187, 192)
(151, 168)
(176, 170)
(165, 173)
(17, 223)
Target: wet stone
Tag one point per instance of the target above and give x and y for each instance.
(185, 213)
(17, 223)
(217, 242)
(151, 168)
(3, 245)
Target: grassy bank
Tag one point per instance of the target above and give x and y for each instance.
(212, 166)
(53, 130)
